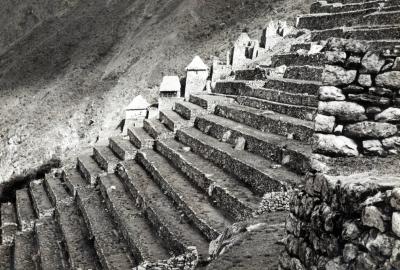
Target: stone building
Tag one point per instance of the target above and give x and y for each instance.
(169, 92)
(196, 77)
(273, 33)
(136, 112)
(244, 50)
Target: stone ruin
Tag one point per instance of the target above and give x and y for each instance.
(169, 92)
(196, 77)
(296, 171)
(136, 112)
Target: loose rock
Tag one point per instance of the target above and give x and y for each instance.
(335, 145)
(240, 143)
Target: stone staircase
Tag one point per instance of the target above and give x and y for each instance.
(179, 181)
(176, 183)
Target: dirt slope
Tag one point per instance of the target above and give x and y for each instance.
(67, 69)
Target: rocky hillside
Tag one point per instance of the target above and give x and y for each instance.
(68, 67)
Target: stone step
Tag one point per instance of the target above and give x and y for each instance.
(24, 251)
(156, 129)
(6, 257)
(111, 248)
(236, 87)
(360, 33)
(190, 200)
(300, 46)
(173, 121)
(209, 101)
(165, 219)
(259, 174)
(50, 254)
(243, 88)
(309, 73)
(81, 253)
(140, 138)
(294, 86)
(251, 74)
(383, 44)
(25, 212)
(224, 190)
(89, 169)
(73, 181)
(272, 123)
(188, 110)
(9, 224)
(143, 243)
(301, 112)
(41, 203)
(295, 59)
(324, 7)
(122, 148)
(322, 21)
(381, 18)
(290, 153)
(106, 158)
(56, 190)
(391, 7)
(346, 2)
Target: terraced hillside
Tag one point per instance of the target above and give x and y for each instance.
(77, 64)
(173, 186)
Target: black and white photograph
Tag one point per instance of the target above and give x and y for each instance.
(199, 135)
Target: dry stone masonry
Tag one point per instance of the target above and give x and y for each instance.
(339, 223)
(359, 109)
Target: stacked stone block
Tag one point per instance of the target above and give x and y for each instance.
(359, 102)
(343, 225)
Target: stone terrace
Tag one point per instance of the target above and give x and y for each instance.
(159, 196)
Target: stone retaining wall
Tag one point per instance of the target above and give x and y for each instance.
(359, 104)
(344, 223)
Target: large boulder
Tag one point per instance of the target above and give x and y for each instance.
(372, 62)
(370, 130)
(331, 93)
(335, 145)
(335, 75)
(347, 111)
(389, 79)
(389, 115)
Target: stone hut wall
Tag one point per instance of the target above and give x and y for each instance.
(335, 225)
(359, 104)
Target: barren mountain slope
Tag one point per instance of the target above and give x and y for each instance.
(66, 75)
